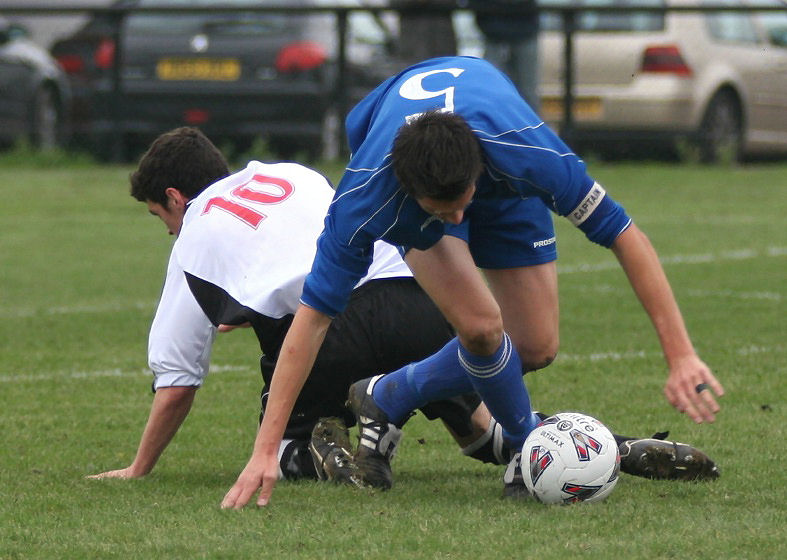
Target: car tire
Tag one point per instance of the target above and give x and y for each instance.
(721, 132)
(45, 120)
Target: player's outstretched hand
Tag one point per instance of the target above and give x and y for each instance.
(691, 387)
(119, 473)
(259, 473)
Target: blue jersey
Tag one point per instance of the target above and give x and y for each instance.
(523, 158)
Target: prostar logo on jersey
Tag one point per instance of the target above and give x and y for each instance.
(544, 242)
(588, 204)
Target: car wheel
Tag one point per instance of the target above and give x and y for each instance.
(45, 120)
(721, 131)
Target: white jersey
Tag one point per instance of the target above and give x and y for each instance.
(253, 235)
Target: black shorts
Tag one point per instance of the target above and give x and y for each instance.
(387, 324)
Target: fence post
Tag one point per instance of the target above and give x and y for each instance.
(340, 94)
(117, 144)
(567, 124)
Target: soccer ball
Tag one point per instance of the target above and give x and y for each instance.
(568, 458)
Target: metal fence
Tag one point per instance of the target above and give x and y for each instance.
(569, 15)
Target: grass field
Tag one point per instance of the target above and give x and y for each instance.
(81, 265)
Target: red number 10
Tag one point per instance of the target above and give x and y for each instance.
(247, 193)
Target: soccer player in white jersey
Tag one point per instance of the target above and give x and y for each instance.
(452, 165)
(245, 243)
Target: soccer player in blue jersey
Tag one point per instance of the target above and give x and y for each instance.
(450, 164)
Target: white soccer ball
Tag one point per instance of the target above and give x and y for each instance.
(568, 458)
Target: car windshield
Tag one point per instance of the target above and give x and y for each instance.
(215, 23)
(606, 21)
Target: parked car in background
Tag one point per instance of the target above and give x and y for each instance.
(238, 75)
(649, 79)
(34, 91)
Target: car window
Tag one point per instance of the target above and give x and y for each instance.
(364, 27)
(775, 23)
(604, 22)
(214, 23)
(730, 27)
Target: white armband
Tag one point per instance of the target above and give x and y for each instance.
(588, 204)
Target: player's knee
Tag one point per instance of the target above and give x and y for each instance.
(482, 337)
(537, 357)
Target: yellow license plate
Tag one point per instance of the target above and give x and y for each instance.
(583, 108)
(210, 69)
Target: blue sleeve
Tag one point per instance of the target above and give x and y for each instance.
(593, 211)
(606, 223)
(336, 270)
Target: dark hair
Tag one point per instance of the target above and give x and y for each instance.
(182, 158)
(436, 155)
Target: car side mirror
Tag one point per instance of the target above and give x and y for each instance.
(16, 31)
(10, 31)
(778, 36)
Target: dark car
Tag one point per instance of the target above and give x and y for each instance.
(238, 75)
(34, 91)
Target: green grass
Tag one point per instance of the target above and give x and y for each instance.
(81, 265)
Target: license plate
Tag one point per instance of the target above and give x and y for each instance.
(209, 69)
(583, 108)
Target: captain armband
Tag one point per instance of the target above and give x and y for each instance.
(587, 205)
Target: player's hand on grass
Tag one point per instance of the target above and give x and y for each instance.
(691, 387)
(259, 473)
(119, 473)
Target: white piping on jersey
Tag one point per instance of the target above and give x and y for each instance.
(566, 154)
(498, 175)
(376, 170)
(624, 228)
(429, 220)
(371, 217)
(396, 221)
(528, 127)
(524, 179)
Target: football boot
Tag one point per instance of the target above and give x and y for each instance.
(513, 479)
(332, 453)
(379, 438)
(660, 459)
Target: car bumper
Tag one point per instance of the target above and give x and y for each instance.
(650, 105)
(245, 113)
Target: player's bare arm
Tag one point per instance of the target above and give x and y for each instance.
(170, 407)
(296, 359)
(690, 380)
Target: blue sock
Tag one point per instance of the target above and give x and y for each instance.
(498, 379)
(454, 371)
(437, 377)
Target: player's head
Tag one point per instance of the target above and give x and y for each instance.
(183, 159)
(436, 156)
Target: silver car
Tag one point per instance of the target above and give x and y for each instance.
(715, 81)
